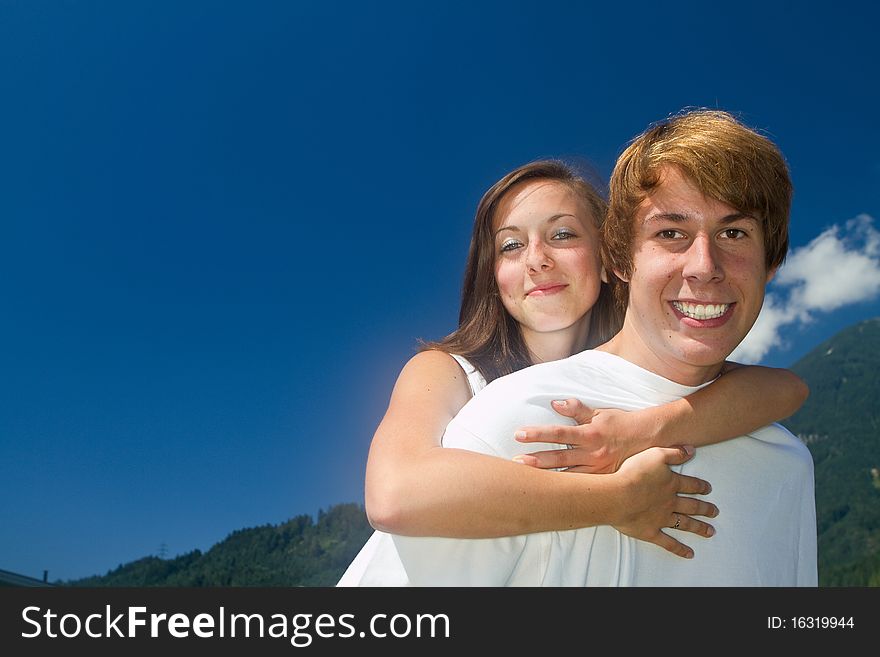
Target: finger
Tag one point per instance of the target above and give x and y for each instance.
(687, 524)
(574, 409)
(592, 469)
(555, 433)
(694, 507)
(554, 458)
(692, 485)
(665, 541)
(677, 455)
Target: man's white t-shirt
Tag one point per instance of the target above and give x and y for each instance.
(762, 484)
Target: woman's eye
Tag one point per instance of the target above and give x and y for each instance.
(510, 245)
(563, 234)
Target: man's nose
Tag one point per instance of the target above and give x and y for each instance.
(702, 261)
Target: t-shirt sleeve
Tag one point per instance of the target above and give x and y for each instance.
(457, 435)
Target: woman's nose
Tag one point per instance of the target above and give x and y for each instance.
(537, 257)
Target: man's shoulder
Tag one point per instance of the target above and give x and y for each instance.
(522, 386)
(778, 435)
(551, 370)
(488, 421)
(775, 432)
(534, 373)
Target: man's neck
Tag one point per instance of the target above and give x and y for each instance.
(629, 345)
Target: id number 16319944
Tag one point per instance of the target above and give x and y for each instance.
(810, 622)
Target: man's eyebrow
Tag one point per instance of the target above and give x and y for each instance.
(677, 217)
(548, 219)
(736, 216)
(666, 216)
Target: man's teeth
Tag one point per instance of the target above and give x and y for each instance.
(700, 311)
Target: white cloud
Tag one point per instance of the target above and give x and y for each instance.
(765, 333)
(839, 267)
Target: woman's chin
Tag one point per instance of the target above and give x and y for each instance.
(555, 324)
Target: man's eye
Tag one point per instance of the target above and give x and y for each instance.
(669, 234)
(734, 233)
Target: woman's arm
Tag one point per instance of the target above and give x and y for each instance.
(416, 487)
(741, 400)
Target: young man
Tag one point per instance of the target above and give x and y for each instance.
(698, 225)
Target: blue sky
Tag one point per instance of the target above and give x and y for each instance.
(225, 225)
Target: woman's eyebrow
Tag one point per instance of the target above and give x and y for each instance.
(548, 219)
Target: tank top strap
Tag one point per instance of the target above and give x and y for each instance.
(474, 378)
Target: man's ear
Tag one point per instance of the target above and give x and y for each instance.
(772, 273)
(620, 275)
(604, 276)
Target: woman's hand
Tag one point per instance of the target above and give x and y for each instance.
(652, 499)
(600, 442)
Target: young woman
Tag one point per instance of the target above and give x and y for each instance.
(534, 291)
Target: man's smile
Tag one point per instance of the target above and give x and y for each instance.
(702, 315)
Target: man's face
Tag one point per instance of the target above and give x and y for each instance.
(697, 284)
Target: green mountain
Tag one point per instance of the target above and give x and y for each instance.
(840, 423)
(299, 552)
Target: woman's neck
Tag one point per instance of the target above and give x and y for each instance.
(555, 345)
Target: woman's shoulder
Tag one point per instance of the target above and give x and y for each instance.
(436, 371)
(433, 361)
(433, 366)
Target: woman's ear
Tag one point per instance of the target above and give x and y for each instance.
(604, 276)
(620, 275)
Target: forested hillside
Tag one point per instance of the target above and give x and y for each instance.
(840, 423)
(299, 552)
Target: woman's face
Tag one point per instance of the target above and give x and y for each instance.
(546, 258)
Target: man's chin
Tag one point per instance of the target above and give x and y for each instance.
(705, 356)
